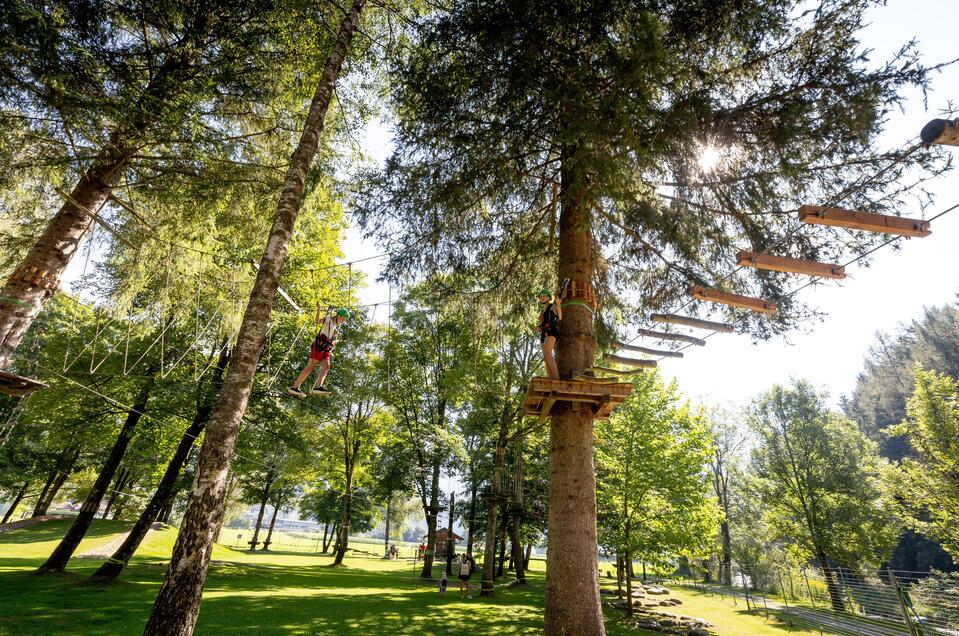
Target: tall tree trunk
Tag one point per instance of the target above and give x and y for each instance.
(40, 507)
(572, 587)
(471, 528)
(487, 585)
(629, 584)
(835, 594)
(431, 519)
(334, 537)
(178, 602)
(162, 498)
(269, 532)
(164, 515)
(386, 533)
(16, 501)
(265, 499)
(516, 512)
(619, 574)
(450, 539)
(64, 466)
(326, 530)
(118, 485)
(501, 562)
(344, 540)
(37, 277)
(57, 562)
(726, 567)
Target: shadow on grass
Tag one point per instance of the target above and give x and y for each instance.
(53, 530)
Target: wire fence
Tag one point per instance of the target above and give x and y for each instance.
(840, 600)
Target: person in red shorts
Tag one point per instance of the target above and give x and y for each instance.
(320, 352)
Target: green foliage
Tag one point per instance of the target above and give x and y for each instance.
(823, 486)
(653, 489)
(504, 106)
(929, 488)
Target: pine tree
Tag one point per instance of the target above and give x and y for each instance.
(519, 120)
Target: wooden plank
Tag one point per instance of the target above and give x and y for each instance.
(616, 372)
(789, 265)
(941, 131)
(663, 335)
(732, 300)
(686, 321)
(545, 385)
(547, 406)
(633, 362)
(17, 385)
(855, 220)
(666, 353)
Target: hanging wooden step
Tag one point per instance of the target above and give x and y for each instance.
(650, 352)
(631, 362)
(662, 335)
(789, 265)
(543, 393)
(733, 300)
(855, 220)
(17, 385)
(609, 371)
(686, 321)
(941, 131)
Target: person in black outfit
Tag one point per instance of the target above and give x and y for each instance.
(549, 330)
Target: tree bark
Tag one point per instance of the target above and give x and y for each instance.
(259, 517)
(344, 540)
(572, 587)
(516, 512)
(501, 562)
(334, 538)
(450, 540)
(835, 594)
(118, 485)
(57, 562)
(269, 532)
(49, 257)
(326, 533)
(161, 499)
(57, 478)
(487, 585)
(178, 602)
(726, 567)
(629, 584)
(431, 519)
(386, 533)
(16, 501)
(471, 528)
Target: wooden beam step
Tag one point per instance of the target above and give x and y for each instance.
(663, 335)
(789, 265)
(665, 353)
(674, 319)
(17, 385)
(615, 372)
(941, 131)
(732, 300)
(856, 220)
(633, 362)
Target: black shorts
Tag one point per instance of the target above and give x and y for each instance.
(548, 332)
(464, 577)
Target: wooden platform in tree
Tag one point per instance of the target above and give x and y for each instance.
(17, 385)
(601, 397)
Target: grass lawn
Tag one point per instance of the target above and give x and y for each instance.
(280, 592)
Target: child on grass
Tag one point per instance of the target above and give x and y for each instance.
(320, 352)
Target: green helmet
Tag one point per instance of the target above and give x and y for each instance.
(343, 311)
(544, 292)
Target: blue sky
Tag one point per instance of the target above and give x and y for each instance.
(892, 290)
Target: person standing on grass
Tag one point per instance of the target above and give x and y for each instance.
(465, 567)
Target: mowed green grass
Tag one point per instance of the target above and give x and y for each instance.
(280, 592)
